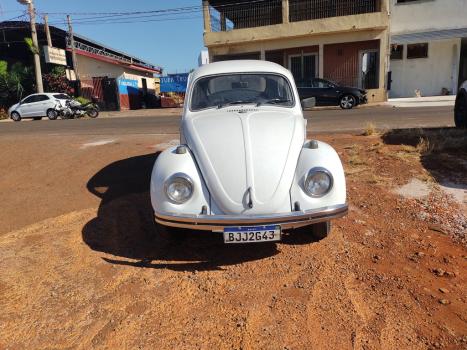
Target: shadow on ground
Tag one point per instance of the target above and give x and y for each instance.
(124, 227)
(443, 152)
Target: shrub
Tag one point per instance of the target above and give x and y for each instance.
(370, 129)
(56, 81)
(3, 114)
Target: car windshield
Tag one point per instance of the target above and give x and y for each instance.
(229, 89)
(62, 97)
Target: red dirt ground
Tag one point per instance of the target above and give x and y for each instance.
(81, 265)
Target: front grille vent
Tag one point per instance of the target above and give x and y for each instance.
(243, 110)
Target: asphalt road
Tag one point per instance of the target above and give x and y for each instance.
(323, 121)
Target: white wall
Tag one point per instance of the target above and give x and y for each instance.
(429, 75)
(428, 15)
(89, 68)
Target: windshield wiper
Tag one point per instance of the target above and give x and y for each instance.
(273, 101)
(222, 105)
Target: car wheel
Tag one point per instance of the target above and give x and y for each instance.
(347, 102)
(15, 116)
(37, 118)
(52, 114)
(321, 230)
(93, 113)
(460, 111)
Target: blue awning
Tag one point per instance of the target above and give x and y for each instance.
(429, 36)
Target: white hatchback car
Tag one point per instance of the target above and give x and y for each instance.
(244, 166)
(37, 106)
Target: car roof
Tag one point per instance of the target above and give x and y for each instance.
(47, 93)
(240, 66)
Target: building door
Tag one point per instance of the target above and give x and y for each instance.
(145, 86)
(304, 68)
(369, 69)
(109, 86)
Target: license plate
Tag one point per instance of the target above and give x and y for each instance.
(252, 234)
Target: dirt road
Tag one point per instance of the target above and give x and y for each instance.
(82, 265)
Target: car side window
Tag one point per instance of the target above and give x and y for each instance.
(40, 98)
(321, 84)
(29, 99)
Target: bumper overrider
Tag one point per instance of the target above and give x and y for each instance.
(219, 222)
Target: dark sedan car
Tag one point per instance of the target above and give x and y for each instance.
(460, 109)
(328, 93)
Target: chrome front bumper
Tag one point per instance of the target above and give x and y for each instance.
(219, 222)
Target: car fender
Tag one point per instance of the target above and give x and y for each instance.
(169, 163)
(323, 156)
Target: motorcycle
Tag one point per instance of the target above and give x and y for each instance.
(74, 109)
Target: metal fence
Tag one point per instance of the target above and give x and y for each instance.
(304, 10)
(244, 14)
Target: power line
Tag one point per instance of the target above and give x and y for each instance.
(104, 18)
(167, 10)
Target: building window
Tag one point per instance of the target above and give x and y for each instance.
(417, 50)
(304, 68)
(397, 52)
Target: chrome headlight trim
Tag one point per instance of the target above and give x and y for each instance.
(312, 172)
(184, 178)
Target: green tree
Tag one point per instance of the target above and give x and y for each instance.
(14, 83)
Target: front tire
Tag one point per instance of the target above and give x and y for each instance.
(460, 111)
(15, 116)
(93, 113)
(321, 230)
(347, 102)
(52, 114)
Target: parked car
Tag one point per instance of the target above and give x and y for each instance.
(37, 106)
(460, 109)
(243, 166)
(328, 93)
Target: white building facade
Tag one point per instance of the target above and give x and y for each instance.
(428, 47)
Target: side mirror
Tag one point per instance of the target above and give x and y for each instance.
(308, 103)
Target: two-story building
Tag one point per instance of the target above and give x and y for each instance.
(340, 40)
(428, 46)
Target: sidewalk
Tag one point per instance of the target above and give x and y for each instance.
(155, 112)
(429, 101)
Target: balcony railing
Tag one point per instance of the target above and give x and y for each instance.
(304, 10)
(244, 14)
(228, 15)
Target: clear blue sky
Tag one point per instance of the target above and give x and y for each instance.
(173, 44)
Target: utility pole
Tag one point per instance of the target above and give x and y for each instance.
(73, 53)
(47, 30)
(72, 44)
(37, 61)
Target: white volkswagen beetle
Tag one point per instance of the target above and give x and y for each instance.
(244, 166)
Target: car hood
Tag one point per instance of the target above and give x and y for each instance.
(352, 89)
(12, 108)
(247, 154)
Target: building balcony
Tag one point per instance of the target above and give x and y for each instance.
(233, 21)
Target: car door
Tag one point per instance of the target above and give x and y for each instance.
(328, 92)
(26, 106)
(315, 90)
(40, 106)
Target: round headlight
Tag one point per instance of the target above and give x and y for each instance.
(179, 188)
(318, 182)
